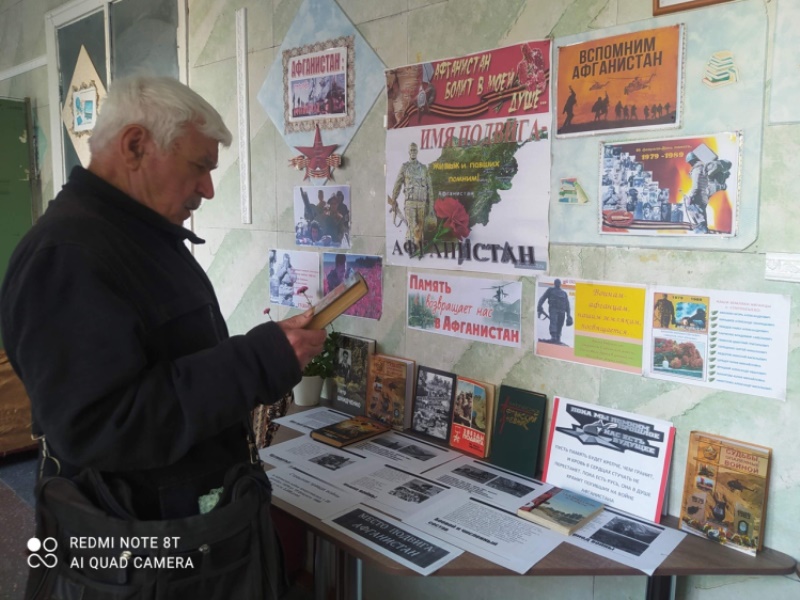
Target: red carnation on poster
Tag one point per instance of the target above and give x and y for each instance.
(455, 217)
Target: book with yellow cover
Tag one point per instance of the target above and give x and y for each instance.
(725, 491)
(349, 431)
(390, 390)
(338, 300)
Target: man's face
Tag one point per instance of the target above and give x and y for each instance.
(174, 182)
(412, 153)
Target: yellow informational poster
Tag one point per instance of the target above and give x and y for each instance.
(600, 324)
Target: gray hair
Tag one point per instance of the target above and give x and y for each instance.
(161, 105)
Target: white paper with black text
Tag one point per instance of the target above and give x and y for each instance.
(619, 458)
(317, 459)
(412, 548)
(489, 532)
(627, 539)
(308, 493)
(311, 419)
(396, 492)
(406, 452)
(488, 483)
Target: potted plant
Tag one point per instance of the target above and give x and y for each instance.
(320, 369)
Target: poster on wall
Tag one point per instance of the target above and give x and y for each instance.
(619, 458)
(82, 101)
(624, 82)
(484, 310)
(293, 278)
(468, 161)
(598, 324)
(322, 215)
(336, 267)
(318, 82)
(668, 187)
(732, 341)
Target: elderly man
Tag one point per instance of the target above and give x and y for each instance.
(116, 332)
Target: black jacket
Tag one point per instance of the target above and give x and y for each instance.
(117, 334)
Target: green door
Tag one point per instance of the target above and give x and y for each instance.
(16, 171)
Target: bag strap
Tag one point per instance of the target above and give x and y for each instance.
(45, 455)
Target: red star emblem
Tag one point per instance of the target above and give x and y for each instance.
(317, 160)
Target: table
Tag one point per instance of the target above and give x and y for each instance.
(693, 556)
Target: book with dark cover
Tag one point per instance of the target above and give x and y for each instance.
(338, 300)
(561, 510)
(517, 435)
(433, 403)
(351, 364)
(473, 416)
(349, 431)
(725, 491)
(390, 389)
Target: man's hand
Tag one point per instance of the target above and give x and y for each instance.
(307, 343)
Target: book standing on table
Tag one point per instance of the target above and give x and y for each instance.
(517, 436)
(725, 491)
(433, 403)
(473, 416)
(350, 373)
(390, 390)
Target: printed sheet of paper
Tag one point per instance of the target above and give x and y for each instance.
(619, 458)
(412, 548)
(468, 161)
(313, 495)
(289, 271)
(591, 323)
(489, 532)
(312, 419)
(396, 492)
(732, 341)
(623, 82)
(317, 459)
(671, 186)
(485, 310)
(405, 452)
(488, 483)
(627, 539)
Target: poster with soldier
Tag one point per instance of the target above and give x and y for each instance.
(624, 82)
(322, 215)
(669, 187)
(468, 161)
(590, 323)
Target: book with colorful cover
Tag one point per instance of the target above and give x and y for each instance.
(351, 364)
(433, 403)
(517, 435)
(390, 389)
(725, 491)
(473, 416)
(349, 431)
(561, 510)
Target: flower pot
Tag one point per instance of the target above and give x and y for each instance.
(306, 393)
